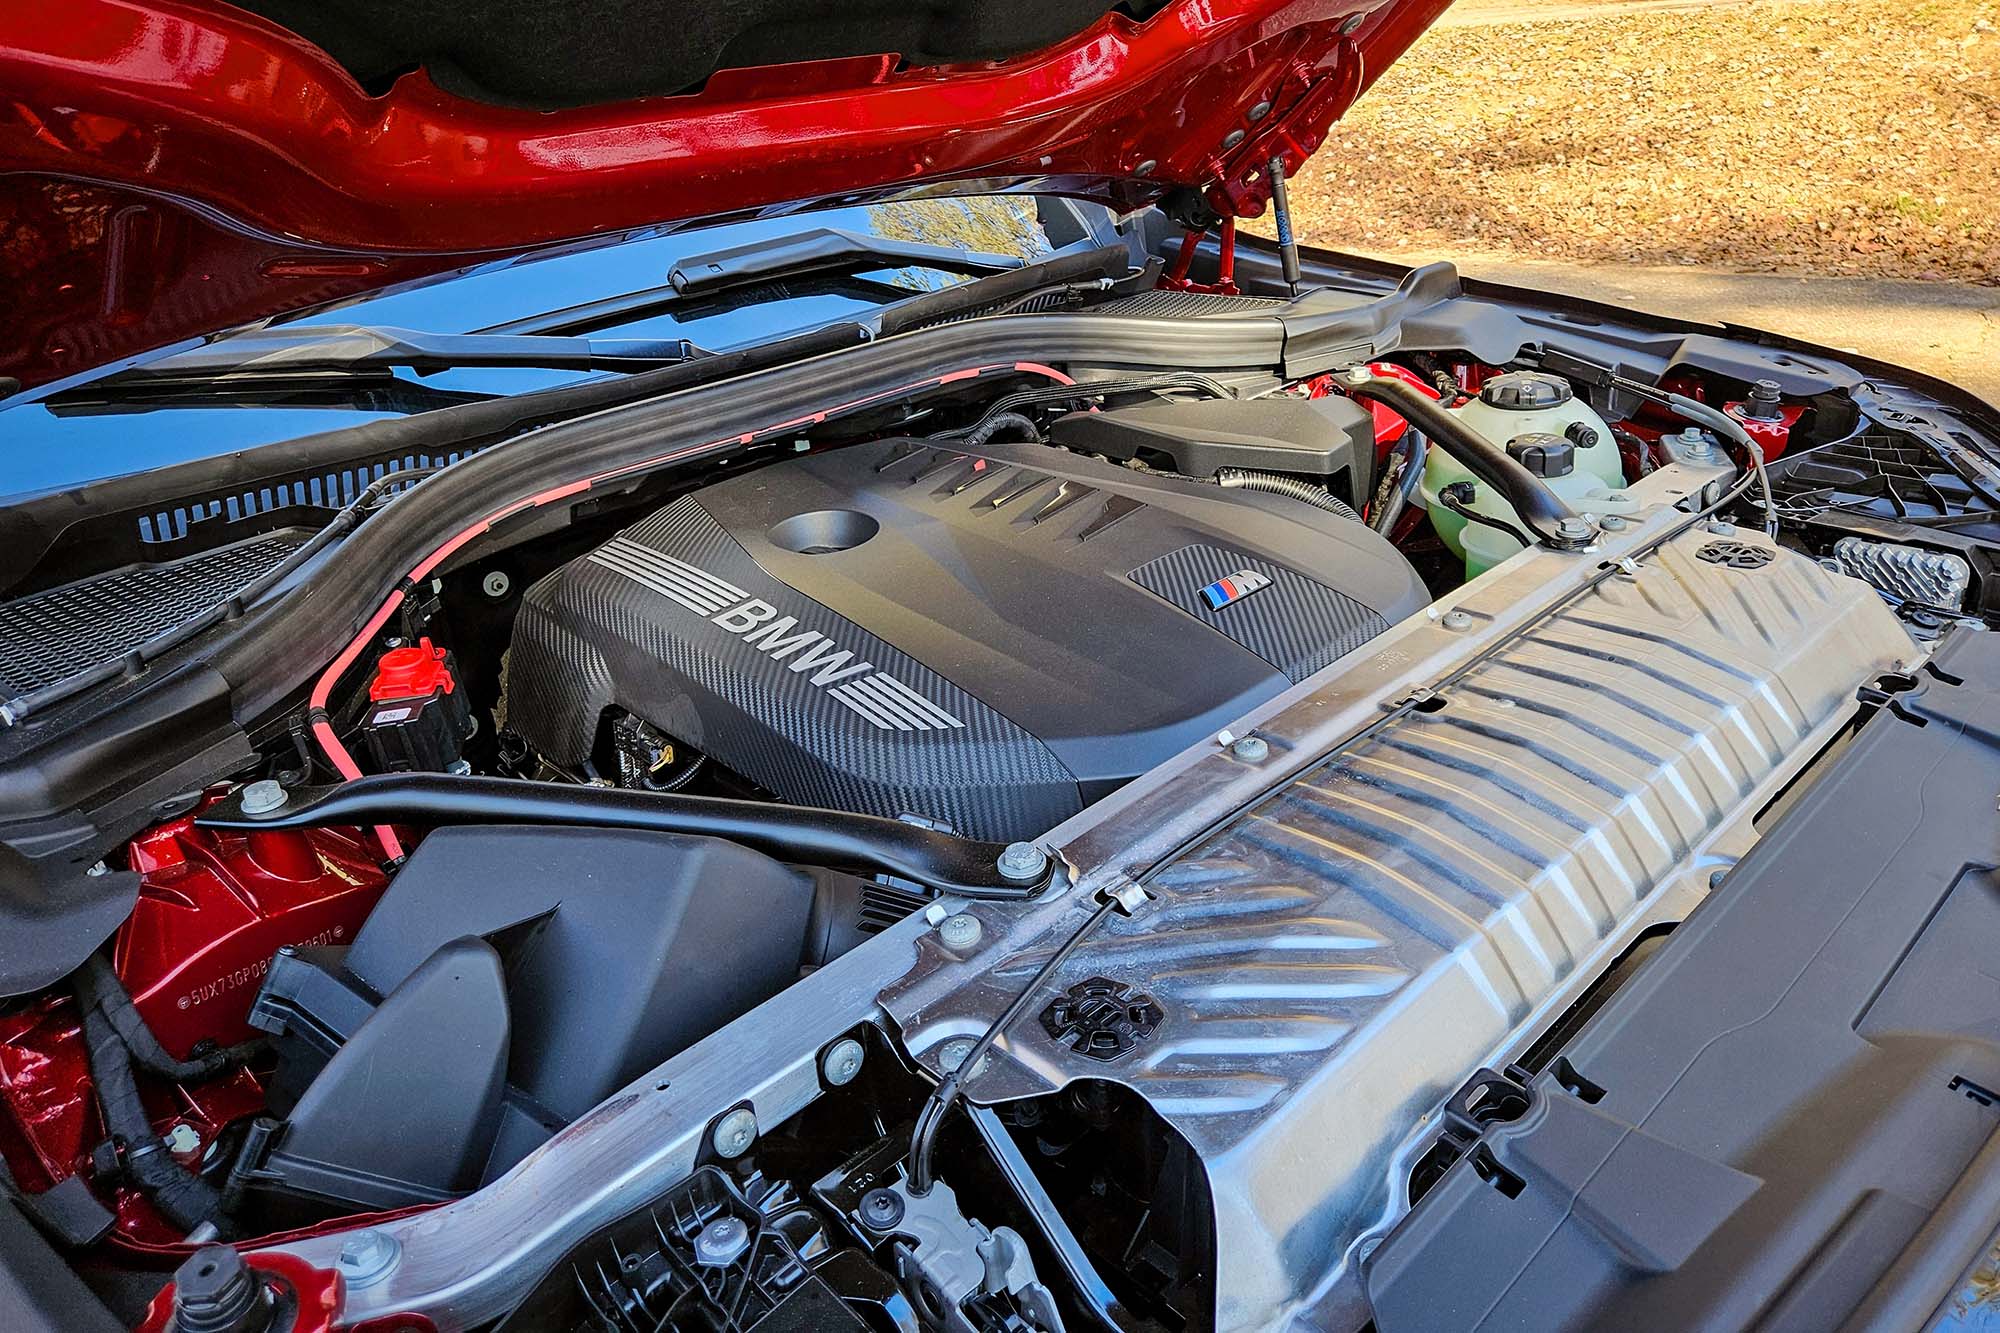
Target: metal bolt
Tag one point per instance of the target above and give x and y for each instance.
(366, 1257)
(1259, 111)
(952, 1054)
(1352, 23)
(1023, 861)
(734, 1133)
(718, 1244)
(1612, 523)
(881, 1209)
(1721, 527)
(1457, 620)
(1251, 749)
(1231, 139)
(960, 932)
(495, 584)
(1146, 168)
(99, 869)
(1575, 529)
(183, 1138)
(1359, 375)
(263, 796)
(842, 1062)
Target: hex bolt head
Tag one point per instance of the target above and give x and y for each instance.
(1575, 529)
(367, 1256)
(721, 1242)
(264, 796)
(734, 1133)
(496, 584)
(960, 932)
(881, 1209)
(842, 1062)
(1023, 861)
(1251, 749)
(1456, 620)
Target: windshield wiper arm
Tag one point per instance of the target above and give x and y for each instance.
(819, 250)
(295, 348)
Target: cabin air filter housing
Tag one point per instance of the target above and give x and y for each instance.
(990, 638)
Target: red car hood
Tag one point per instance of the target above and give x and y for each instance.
(172, 167)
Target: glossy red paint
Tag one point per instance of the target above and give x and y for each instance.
(1389, 426)
(315, 1293)
(213, 907)
(49, 1122)
(316, 185)
(1771, 436)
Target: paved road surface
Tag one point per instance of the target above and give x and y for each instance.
(1950, 330)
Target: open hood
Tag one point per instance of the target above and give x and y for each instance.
(178, 166)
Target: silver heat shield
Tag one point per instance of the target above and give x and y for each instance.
(1907, 573)
(1335, 961)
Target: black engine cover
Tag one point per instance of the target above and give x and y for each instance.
(991, 638)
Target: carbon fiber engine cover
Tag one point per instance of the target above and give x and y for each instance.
(989, 638)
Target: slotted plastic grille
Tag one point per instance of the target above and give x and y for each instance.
(47, 635)
(1186, 305)
(1882, 475)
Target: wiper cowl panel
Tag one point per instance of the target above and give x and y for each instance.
(821, 249)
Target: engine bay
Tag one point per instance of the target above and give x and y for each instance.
(1087, 845)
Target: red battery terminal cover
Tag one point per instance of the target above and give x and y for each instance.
(412, 673)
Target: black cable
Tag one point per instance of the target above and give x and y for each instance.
(1701, 414)
(1043, 394)
(183, 1199)
(923, 1138)
(1455, 497)
(134, 660)
(1000, 424)
(99, 988)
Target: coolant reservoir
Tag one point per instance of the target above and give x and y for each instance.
(1541, 422)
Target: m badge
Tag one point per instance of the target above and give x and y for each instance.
(1234, 588)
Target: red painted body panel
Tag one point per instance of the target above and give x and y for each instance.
(312, 186)
(212, 909)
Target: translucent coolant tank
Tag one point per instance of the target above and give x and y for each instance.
(1540, 421)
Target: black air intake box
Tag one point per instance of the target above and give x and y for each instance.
(991, 638)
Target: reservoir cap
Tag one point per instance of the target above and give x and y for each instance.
(1543, 454)
(1525, 391)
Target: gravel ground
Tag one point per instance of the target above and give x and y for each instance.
(1857, 138)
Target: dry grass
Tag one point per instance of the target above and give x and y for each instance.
(1858, 137)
